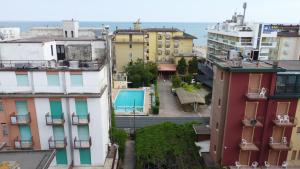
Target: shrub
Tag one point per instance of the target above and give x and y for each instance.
(176, 81)
(155, 109)
(119, 136)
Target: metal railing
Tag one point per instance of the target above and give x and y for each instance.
(51, 64)
(82, 143)
(80, 119)
(23, 144)
(53, 144)
(54, 119)
(20, 119)
(129, 108)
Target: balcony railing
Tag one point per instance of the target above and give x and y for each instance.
(252, 122)
(23, 144)
(82, 143)
(248, 146)
(283, 145)
(80, 119)
(54, 119)
(56, 144)
(285, 121)
(16, 119)
(259, 94)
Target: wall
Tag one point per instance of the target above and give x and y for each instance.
(288, 48)
(27, 51)
(295, 139)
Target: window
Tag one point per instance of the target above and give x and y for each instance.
(130, 45)
(51, 50)
(1, 106)
(298, 155)
(22, 80)
(288, 84)
(53, 79)
(76, 80)
(219, 102)
(222, 75)
(147, 57)
(298, 130)
(4, 129)
(217, 126)
(294, 153)
(72, 34)
(215, 149)
(66, 34)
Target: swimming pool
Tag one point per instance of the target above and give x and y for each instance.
(126, 99)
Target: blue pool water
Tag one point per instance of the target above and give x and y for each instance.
(126, 98)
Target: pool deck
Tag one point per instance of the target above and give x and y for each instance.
(146, 101)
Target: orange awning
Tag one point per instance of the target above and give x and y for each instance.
(166, 67)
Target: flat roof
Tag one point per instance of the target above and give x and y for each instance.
(185, 36)
(186, 97)
(31, 159)
(43, 39)
(289, 65)
(248, 66)
(167, 67)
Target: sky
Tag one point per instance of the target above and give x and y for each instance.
(270, 11)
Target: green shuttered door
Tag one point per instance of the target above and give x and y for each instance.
(61, 156)
(85, 156)
(21, 107)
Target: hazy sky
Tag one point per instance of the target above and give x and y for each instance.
(287, 11)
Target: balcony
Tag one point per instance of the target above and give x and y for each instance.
(252, 123)
(54, 119)
(82, 143)
(268, 44)
(259, 94)
(285, 121)
(23, 144)
(80, 119)
(16, 119)
(248, 146)
(57, 144)
(280, 146)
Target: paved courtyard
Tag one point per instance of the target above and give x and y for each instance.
(170, 106)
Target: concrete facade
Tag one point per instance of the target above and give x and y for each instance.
(9, 33)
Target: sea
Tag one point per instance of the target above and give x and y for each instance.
(198, 29)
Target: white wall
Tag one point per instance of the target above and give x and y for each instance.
(289, 48)
(27, 51)
(8, 83)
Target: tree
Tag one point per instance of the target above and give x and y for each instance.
(193, 66)
(140, 73)
(181, 66)
(176, 81)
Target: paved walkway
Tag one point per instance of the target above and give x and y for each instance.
(170, 106)
(129, 159)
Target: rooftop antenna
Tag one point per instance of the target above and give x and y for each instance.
(244, 6)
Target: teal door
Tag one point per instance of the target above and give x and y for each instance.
(81, 107)
(83, 132)
(56, 108)
(58, 132)
(61, 156)
(85, 156)
(21, 108)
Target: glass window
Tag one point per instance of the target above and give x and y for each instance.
(22, 80)
(4, 129)
(288, 84)
(76, 80)
(1, 106)
(53, 79)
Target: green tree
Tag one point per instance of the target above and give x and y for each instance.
(176, 81)
(193, 66)
(181, 66)
(140, 73)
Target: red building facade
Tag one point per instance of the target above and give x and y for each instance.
(250, 122)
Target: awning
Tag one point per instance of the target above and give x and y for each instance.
(166, 67)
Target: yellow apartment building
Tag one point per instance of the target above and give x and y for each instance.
(294, 154)
(164, 46)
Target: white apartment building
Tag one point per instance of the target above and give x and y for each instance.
(54, 94)
(242, 37)
(9, 33)
(69, 29)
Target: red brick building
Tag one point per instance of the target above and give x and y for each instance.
(253, 112)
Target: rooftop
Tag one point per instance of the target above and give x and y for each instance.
(288, 65)
(248, 66)
(185, 36)
(43, 39)
(37, 159)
